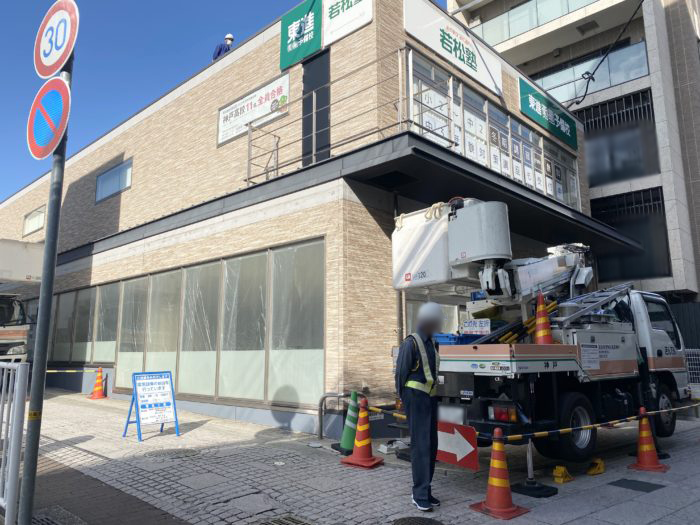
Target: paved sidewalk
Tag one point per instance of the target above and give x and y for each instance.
(221, 471)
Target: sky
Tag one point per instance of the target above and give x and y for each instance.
(128, 54)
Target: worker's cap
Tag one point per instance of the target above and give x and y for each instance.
(430, 313)
(228, 37)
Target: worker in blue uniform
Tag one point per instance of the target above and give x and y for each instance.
(224, 48)
(416, 384)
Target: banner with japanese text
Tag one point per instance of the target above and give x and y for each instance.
(342, 17)
(547, 114)
(262, 105)
(442, 34)
(301, 33)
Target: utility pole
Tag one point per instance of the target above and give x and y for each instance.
(53, 53)
(36, 391)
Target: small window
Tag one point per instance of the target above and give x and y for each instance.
(661, 319)
(34, 221)
(113, 181)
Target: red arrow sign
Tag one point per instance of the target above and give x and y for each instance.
(457, 445)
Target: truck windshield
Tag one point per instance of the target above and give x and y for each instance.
(10, 311)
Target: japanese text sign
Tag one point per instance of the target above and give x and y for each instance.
(342, 17)
(301, 33)
(262, 105)
(547, 114)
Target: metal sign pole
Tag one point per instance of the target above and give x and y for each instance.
(36, 399)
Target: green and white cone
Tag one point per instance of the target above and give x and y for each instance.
(347, 442)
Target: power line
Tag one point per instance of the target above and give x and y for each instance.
(590, 77)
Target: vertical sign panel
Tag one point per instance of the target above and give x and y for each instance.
(342, 17)
(547, 114)
(301, 33)
(433, 27)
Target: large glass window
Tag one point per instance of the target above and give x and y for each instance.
(64, 327)
(113, 181)
(296, 361)
(565, 82)
(163, 322)
(106, 326)
(242, 366)
(640, 215)
(132, 333)
(82, 331)
(197, 368)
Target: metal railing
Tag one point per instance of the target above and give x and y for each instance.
(692, 361)
(13, 396)
(368, 103)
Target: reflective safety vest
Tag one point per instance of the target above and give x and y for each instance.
(430, 385)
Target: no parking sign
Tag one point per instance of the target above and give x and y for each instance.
(48, 118)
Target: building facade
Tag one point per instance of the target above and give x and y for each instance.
(237, 231)
(639, 110)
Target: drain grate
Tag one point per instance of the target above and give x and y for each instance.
(56, 515)
(639, 486)
(417, 521)
(285, 520)
(173, 453)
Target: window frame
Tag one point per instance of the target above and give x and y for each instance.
(43, 222)
(126, 162)
(676, 338)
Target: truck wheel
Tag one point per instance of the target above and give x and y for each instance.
(665, 423)
(575, 410)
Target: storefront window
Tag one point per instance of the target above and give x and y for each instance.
(82, 332)
(197, 365)
(242, 366)
(64, 327)
(163, 322)
(132, 331)
(106, 326)
(296, 364)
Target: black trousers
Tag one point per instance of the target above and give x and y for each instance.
(421, 410)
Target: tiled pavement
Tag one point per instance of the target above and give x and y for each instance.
(221, 471)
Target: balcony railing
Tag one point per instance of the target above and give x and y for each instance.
(621, 65)
(525, 17)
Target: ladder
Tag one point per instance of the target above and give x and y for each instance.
(591, 301)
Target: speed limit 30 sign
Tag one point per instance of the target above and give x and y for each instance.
(56, 38)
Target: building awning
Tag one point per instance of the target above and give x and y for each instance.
(416, 168)
(409, 166)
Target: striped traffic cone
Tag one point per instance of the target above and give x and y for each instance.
(362, 453)
(499, 501)
(97, 391)
(347, 441)
(543, 330)
(646, 451)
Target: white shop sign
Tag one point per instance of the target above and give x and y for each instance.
(342, 17)
(262, 105)
(437, 30)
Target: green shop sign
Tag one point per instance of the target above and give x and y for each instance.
(301, 33)
(547, 114)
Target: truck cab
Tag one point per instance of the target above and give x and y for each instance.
(14, 329)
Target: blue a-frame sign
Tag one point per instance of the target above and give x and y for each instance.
(153, 401)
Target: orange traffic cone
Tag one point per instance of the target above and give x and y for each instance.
(646, 451)
(362, 451)
(543, 330)
(97, 391)
(499, 502)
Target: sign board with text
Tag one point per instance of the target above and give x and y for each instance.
(301, 33)
(457, 445)
(153, 401)
(446, 37)
(342, 17)
(547, 113)
(56, 38)
(477, 326)
(262, 105)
